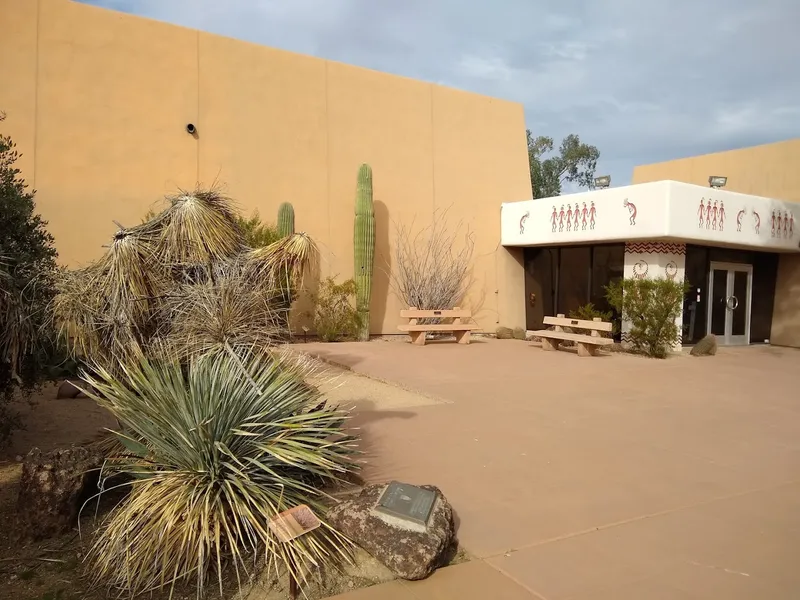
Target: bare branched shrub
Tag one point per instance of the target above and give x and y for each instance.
(432, 267)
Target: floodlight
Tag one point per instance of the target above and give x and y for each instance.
(717, 181)
(602, 182)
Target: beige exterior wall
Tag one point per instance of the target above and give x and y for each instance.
(769, 170)
(98, 102)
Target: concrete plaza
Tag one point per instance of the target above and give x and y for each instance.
(608, 477)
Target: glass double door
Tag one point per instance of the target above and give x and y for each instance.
(730, 291)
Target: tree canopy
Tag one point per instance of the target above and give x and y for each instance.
(575, 162)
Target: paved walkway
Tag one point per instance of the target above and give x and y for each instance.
(608, 477)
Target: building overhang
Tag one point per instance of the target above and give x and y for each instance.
(662, 210)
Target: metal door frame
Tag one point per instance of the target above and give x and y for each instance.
(729, 339)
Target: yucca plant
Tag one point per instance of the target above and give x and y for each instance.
(217, 447)
(160, 279)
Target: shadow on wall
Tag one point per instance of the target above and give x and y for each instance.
(786, 312)
(381, 285)
(303, 306)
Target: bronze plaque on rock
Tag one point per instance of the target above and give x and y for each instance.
(407, 502)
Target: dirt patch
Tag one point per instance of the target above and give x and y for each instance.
(53, 569)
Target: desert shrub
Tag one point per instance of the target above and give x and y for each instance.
(588, 312)
(432, 267)
(256, 233)
(335, 315)
(27, 275)
(185, 280)
(651, 307)
(217, 446)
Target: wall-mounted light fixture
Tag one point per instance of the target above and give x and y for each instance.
(717, 181)
(602, 182)
(191, 129)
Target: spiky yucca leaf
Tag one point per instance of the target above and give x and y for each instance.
(226, 444)
(199, 228)
(113, 302)
(282, 263)
(230, 312)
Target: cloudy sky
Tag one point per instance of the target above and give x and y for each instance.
(643, 80)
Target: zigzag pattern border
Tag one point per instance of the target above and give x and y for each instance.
(654, 248)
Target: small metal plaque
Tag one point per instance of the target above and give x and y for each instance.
(407, 502)
(573, 322)
(437, 312)
(293, 523)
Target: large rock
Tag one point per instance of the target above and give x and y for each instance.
(504, 333)
(67, 389)
(410, 551)
(52, 487)
(705, 347)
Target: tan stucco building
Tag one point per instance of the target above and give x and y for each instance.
(98, 102)
(768, 170)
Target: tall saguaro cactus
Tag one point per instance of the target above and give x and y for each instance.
(285, 220)
(364, 246)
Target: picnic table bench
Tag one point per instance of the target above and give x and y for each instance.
(587, 344)
(418, 331)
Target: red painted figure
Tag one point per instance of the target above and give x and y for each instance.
(757, 224)
(701, 213)
(631, 210)
(780, 223)
(739, 217)
(592, 213)
(785, 224)
(561, 219)
(584, 212)
(791, 225)
(714, 216)
(721, 215)
(577, 217)
(554, 218)
(569, 216)
(773, 223)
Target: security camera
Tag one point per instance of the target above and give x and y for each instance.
(191, 129)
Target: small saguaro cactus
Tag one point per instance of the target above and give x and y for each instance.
(364, 247)
(285, 220)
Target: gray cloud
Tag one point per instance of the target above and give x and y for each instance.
(643, 80)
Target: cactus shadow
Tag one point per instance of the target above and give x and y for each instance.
(383, 257)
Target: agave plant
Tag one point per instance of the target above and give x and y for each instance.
(217, 448)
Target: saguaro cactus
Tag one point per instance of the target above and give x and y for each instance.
(364, 246)
(285, 220)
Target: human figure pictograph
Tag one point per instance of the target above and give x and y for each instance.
(592, 214)
(739, 217)
(714, 216)
(554, 218)
(701, 211)
(569, 216)
(631, 211)
(584, 212)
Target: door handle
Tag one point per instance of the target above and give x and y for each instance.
(732, 303)
(532, 299)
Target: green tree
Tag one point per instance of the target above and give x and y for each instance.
(27, 274)
(575, 162)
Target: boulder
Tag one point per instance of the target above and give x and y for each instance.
(67, 389)
(409, 550)
(519, 333)
(705, 347)
(52, 487)
(504, 333)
